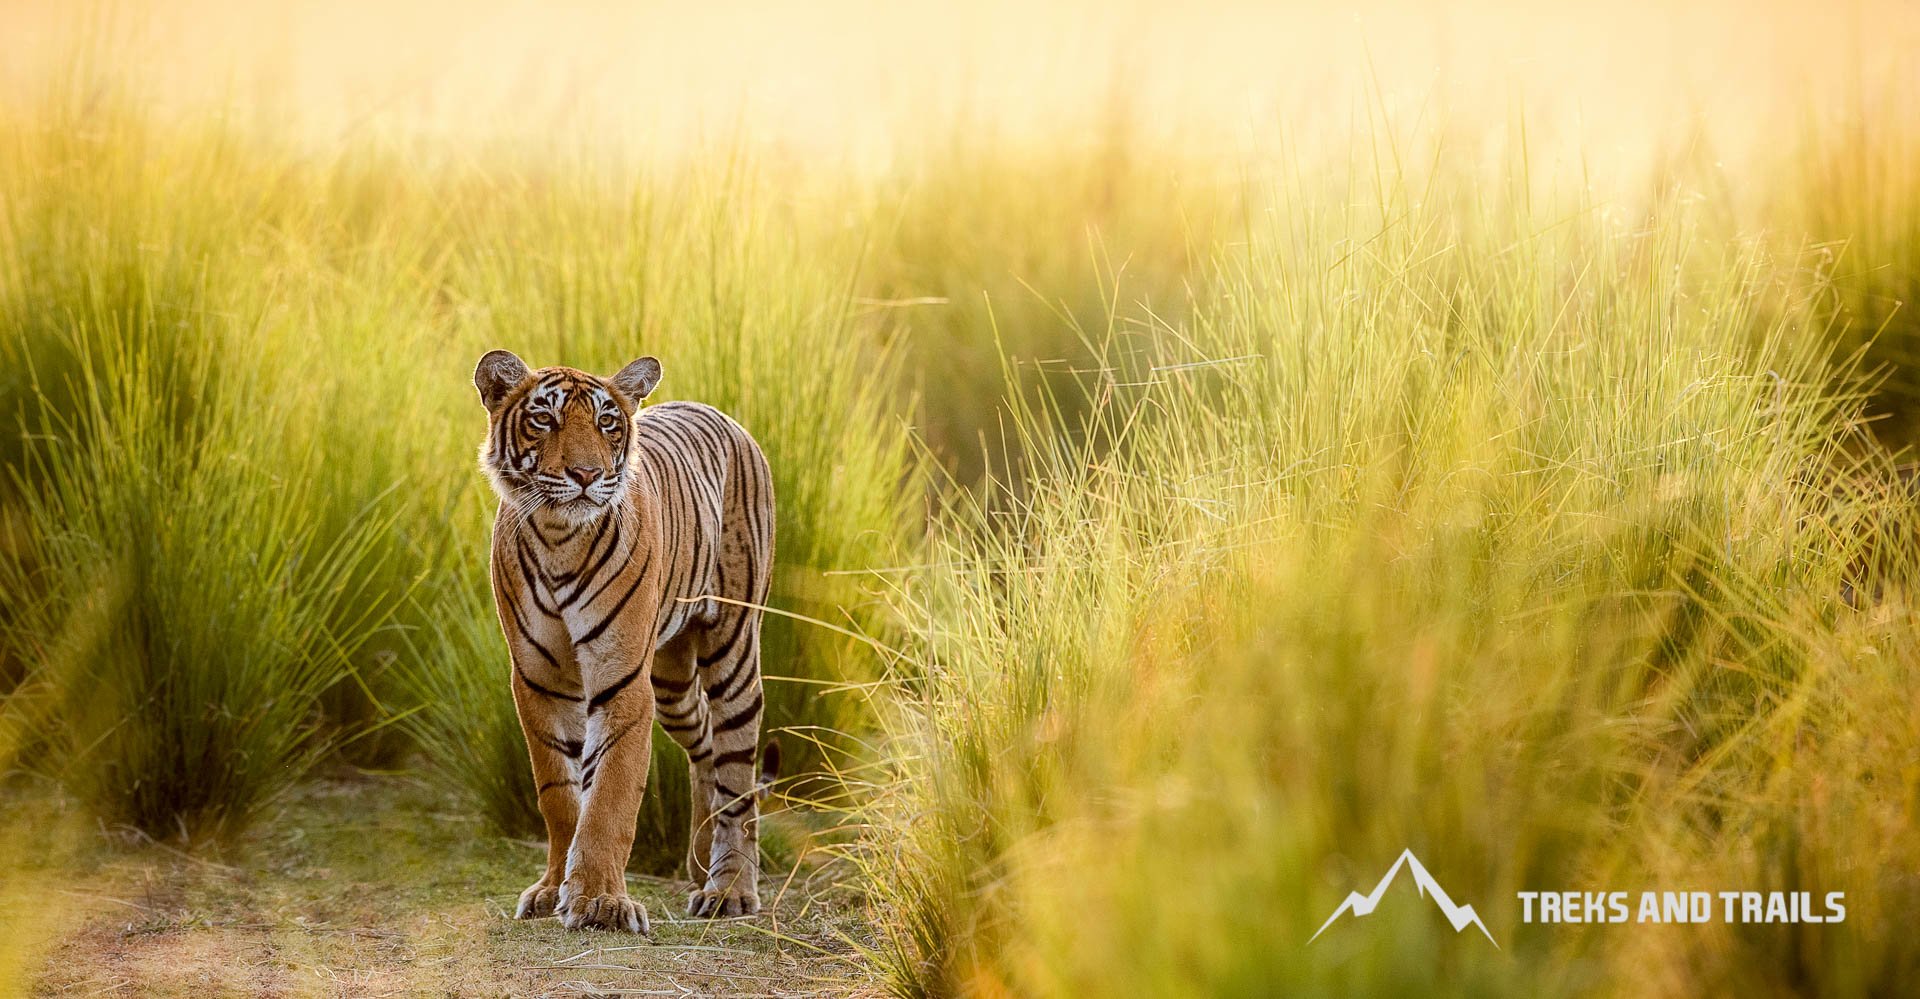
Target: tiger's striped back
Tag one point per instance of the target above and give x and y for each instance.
(703, 464)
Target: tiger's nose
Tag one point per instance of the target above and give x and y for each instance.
(584, 476)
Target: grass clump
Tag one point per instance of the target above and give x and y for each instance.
(1866, 220)
(176, 612)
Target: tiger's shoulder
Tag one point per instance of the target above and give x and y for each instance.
(672, 425)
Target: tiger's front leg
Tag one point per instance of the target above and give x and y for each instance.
(552, 722)
(613, 777)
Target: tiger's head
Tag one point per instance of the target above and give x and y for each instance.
(558, 438)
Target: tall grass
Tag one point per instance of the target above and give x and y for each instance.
(175, 609)
(1459, 518)
(181, 618)
(986, 248)
(1866, 217)
(278, 378)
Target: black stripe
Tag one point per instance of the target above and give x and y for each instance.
(521, 624)
(550, 785)
(736, 803)
(599, 700)
(543, 691)
(745, 671)
(567, 747)
(592, 762)
(748, 712)
(720, 651)
(561, 540)
(645, 561)
(734, 756)
(665, 713)
(682, 726)
(599, 629)
(533, 587)
(674, 687)
(597, 566)
(599, 532)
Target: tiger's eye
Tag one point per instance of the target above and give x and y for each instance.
(608, 421)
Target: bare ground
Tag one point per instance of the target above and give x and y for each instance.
(377, 886)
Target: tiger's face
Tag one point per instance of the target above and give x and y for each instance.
(558, 438)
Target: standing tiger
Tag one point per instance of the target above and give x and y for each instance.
(611, 529)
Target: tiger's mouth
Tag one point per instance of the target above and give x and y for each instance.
(584, 502)
(532, 493)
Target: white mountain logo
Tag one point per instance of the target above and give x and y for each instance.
(1360, 905)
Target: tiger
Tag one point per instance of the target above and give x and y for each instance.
(632, 551)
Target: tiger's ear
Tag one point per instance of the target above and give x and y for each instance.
(636, 380)
(497, 374)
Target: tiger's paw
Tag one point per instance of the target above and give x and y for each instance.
(719, 901)
(604, 912)
(538, 901)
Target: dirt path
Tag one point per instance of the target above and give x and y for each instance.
(377, 886)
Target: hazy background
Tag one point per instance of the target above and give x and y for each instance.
(834, 85)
